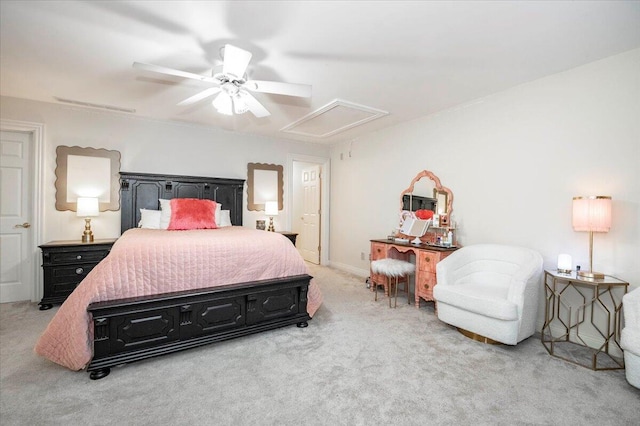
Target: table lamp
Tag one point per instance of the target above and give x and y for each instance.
(592, 214)
(564, 263)
(87, 207)
(271, 210)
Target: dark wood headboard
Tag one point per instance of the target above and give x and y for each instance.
(142, 191)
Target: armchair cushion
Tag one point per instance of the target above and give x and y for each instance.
(490, 301)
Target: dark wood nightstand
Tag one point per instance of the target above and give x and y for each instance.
(290, 235)
(65, 264)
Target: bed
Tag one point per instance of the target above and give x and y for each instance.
(160, 291)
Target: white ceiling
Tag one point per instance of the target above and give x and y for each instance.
(408, 58)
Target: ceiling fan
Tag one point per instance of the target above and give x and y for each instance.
(231, 85)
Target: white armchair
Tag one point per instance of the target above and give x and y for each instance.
(490, 290)
(630, 336)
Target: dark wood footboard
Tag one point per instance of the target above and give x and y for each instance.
(129, 330)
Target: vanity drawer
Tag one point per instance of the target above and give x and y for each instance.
(427, 261)
(424, 286)
(378, 251)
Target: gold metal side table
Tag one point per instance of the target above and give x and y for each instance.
(579, 310)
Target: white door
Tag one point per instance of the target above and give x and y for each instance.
(310, 235)
(16, 278)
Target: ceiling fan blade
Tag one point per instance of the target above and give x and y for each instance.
(236, 61)
(171, 71)
(199, 96)
(278, 88)
(254, 106)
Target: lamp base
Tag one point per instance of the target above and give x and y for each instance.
(87, 235)
(590, 275)
(271, 228)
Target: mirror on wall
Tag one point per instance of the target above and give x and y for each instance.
(427, 192)
(264, 183)
(87, 172)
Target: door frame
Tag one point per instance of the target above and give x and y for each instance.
(37, 160)
(325, 184)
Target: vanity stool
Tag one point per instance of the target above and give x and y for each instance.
(393, 268)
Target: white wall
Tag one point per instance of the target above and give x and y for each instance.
(148, 146)
(513, 160)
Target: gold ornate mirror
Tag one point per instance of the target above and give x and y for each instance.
(426, 190)
(87, 172)
(264, 183)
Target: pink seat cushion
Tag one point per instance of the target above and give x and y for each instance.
(392, 267)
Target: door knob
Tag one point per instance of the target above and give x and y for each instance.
(24, 225)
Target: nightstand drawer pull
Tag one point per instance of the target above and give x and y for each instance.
(426, 286)
(79, 257)
(79, 271)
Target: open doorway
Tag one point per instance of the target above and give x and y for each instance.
(308, 204)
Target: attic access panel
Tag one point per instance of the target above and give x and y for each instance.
(335, 117)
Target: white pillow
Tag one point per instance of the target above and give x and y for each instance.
(217, 217)
(149, 219)
(165, 213)
(225, 219)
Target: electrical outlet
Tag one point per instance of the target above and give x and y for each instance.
(361, 255)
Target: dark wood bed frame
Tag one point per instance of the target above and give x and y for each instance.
(133, 329)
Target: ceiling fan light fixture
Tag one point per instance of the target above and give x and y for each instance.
(223, 104)
(239, 105)
(230, 89)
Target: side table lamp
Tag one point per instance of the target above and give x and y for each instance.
(87, 208)
(564, 263)
(591, 214)
(271, 210)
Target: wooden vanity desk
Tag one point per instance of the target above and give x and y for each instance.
(425, 192)
(426, 256)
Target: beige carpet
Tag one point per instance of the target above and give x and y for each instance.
(358, 363)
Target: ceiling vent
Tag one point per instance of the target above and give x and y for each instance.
(92, 105)
(333, 118)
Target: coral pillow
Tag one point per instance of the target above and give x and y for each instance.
(424, 214)
(192, 213)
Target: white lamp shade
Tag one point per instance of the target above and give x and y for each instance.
(564, 262)
(271, 208)
(592, 213)
(87, 207)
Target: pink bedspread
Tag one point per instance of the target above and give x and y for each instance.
(144, 262)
